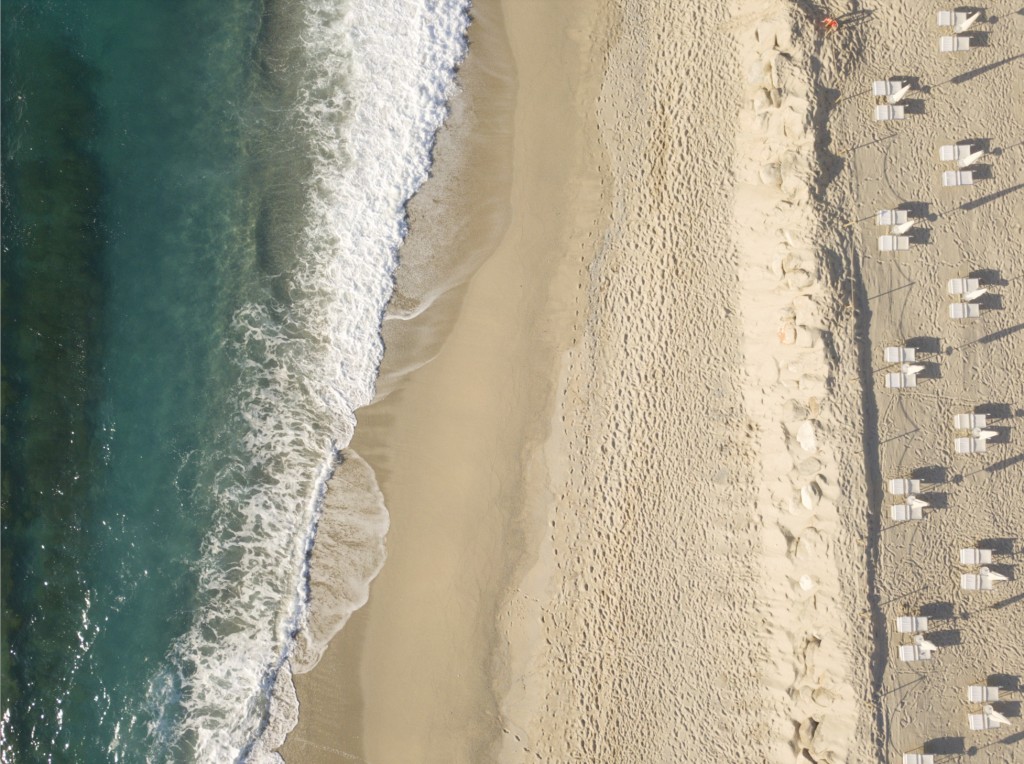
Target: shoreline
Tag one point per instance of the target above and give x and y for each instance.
(433, 402)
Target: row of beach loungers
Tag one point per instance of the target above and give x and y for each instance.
(961, 153)
(965, 289)
(960, 21)
(921, 649)
(972, 435)
(894, 91)
(974, 441)
(899, 221)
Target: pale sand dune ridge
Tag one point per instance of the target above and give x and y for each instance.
(701, 484)
(808, 510)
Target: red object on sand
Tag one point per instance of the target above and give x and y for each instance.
(830, 24)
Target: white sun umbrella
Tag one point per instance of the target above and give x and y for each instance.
(924, 644)
(962, 22)
(970, 159)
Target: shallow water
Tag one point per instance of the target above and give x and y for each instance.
(202, 209)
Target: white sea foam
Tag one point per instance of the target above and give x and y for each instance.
(377, 81)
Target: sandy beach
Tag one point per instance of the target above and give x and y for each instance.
(631, 430)
(971, 366)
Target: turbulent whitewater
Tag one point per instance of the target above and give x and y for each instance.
(376, 82)
(242, 174)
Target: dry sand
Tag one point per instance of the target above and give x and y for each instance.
(975, 96)
(630, 430)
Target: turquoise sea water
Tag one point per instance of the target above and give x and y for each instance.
(200, 226)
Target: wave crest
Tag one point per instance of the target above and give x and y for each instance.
(375, 82)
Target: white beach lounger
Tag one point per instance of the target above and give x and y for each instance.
(889, 243)
(981, 693)
(900, 354)
(959, 310)
(954, 152)
(881, 88)
(975, 556)
(972, 582)
(960, 153)
(885, 112)
(988, 719)
(894, 380)
(961, 21)
(982, 581)
(951, 178)
(969, 421)
(978, 722)
(892, 90)
(962, 286)
(904, 512)
(904, 486)
(969, 446)
(918, 758)
(909, 624)
(921, 650)
(911, 653)
(891, 217)
(954, 44)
